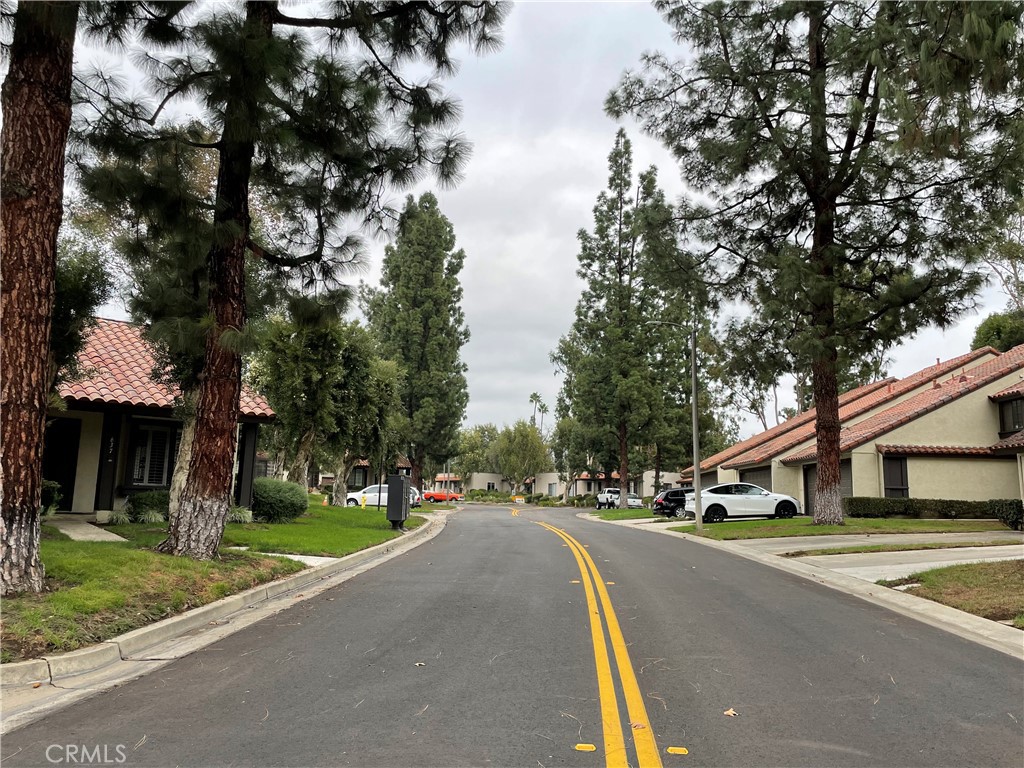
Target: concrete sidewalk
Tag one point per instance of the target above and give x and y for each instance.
(875, 566)
(80, 528)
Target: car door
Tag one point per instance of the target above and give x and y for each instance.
(753, 500)
(374, 497)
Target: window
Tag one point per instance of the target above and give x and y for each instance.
(492, 487)
(154, 446)
(1011, 416)
(894, 474)
(590, 486)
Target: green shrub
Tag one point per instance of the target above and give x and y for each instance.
(51, 496)
(239, 515)
(148, 506)
(277, 501)
(327, 489)
(648, 500)
(1009, 511)
(118, 517)
(928, 509)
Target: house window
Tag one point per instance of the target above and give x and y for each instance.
(1011, 416)
(153, 449)
(492, 487)
(894, 474)
(590, 486)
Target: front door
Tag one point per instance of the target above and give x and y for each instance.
(60, 457)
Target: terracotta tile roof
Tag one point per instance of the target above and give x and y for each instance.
(117, 366)
(1012, 391)
(1012, 444)
(934, 450)
(785, 427)
(401, 462)
(892, 390)
(443, 478)
(924, 402)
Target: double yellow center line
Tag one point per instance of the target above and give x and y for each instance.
(598, 603)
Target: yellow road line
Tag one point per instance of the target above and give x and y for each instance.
(643, 735)
(611, 722)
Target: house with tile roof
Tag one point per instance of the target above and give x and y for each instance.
(952, 430)
(118, 433)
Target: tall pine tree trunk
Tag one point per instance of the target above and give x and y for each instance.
(828, 508)
(36, 104)
(205, 500)
(623, 464)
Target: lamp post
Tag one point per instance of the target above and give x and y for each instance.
(698, 515)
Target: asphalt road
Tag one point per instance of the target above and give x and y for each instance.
(505, 642)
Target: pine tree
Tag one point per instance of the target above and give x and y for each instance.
(846, 165)
(417, 318)
(323, 130)
(612, 390)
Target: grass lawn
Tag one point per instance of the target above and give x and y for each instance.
(322, 531)
(990, 590)
(894, 548)
(98, 590)
(803, 526)
(624, 514)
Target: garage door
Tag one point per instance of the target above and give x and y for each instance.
(811, 480)
(761, 476)
(707, 479)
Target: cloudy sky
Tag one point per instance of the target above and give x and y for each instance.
(533, 112)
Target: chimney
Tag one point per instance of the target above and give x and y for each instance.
(935, 384)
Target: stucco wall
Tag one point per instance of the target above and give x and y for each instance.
(970, 479)
(788, 480)
(866, 465)
(87, 471)
(970, 420)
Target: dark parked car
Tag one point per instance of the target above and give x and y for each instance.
(671, 502)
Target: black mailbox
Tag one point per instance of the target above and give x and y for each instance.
(398, 500)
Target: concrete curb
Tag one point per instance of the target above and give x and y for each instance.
(132, 645)
(991, 634)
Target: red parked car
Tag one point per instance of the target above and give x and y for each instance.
(442, 495)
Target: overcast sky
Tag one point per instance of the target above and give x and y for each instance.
(533, 112)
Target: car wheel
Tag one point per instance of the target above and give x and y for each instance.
(715, 513)
(351, 503)
(785, 509)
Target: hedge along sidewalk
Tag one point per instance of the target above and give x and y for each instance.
(34, 689)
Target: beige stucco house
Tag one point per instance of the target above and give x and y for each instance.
(950, 431)
(118, 433)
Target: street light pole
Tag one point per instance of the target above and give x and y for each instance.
(698, 514)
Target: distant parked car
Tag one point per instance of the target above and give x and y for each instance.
(743, 500)
(378, 495)
(671, 502)
(633, 501)
(608, 498)
(442, 495)
(374, 494)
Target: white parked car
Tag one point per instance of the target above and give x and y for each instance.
(374, 494)
(378, 494)
(742, 500)
(634, 502)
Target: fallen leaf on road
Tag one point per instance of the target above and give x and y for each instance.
(639, 726)
(419, 664)
(36, 685)
(730, 712)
